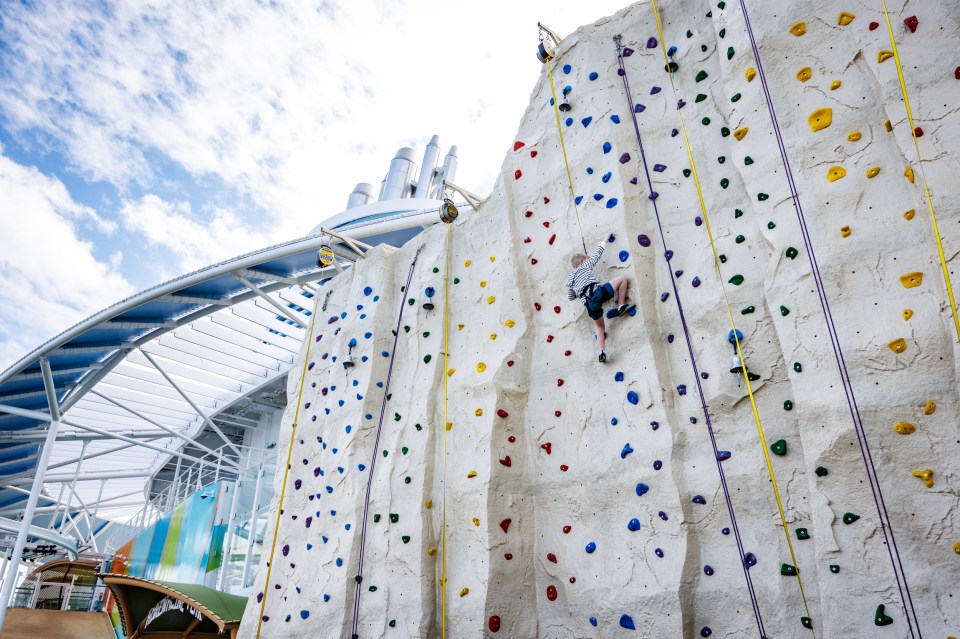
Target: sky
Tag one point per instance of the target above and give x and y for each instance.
(144, 139)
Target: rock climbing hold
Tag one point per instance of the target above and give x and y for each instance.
(749, 559)
(806, 622)
(705, 631)
(762, 197)
(834, 568)
(633, 525)
(926, 475)
(658, 552)
(494, 623)
(633, 398)
(723, 455)
(873, 25)
(883, 54)
(784, 310)
(835, 173)
(698, 499)
(730, 53)
(798, 29)
(835, 85)
(787, 405)
(748, 310)
(849, 518)
(627, 622)
(898, 345)
(627, 449)
(802, 533)
(740, 133)
(853, 136)
(880, 618)
(642, 489)
(701, 75)
(845, 18)
(911, 280)
(735, 97)
(624, 158)
(820, 119)
(708, 570)
(586, 121)
(904, 428)
(845, 231)
(873, 172)
(751, 74)
(821, 471)
(888, 126)
(787, 570)
(591, 547)
(724, 183)
(797, 367)
(779, 447)
(506, 461)
(736, 280)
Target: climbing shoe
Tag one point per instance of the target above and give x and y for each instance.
(603, 357)
(625, 308)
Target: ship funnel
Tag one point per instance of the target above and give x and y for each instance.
(428, 169)
(399, 181)
(363, 193)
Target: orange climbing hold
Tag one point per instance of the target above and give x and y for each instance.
(845, 18)
(798, 29)
(926, 475)
(740, 133)
(909, 214)
(804, 74)
(910, 280)
(898, 345)
(820, 119)
(836, 173)
(904, 428)
(873, 172)
(884, 55)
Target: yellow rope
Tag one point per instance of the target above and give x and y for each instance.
(726, 299)
(566, 162)
(446, 357)
(286, 472)
(923, 175)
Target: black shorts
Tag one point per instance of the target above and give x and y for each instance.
(595, 302)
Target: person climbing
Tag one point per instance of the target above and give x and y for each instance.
(583, 284)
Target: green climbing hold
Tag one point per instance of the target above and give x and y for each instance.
(739, 239)
(456, 280)
(436, 270)
(724, 183)
(784, 310)
(427, 358)
(834, 568)
(735, 98)
(821, 471)
(700, 97)
(709, 14)
(736, 280)
(752, 376)
(394, 518)
(721, 159)
(686, 173)
(762, 197)
(771, 225)
(418, 426)
(721, 4)
(396, 417)
(797, 367)
(729, 53)
(372, 588)
(737, 213)
(747, 160)
(702, 75)
(791, 252)
(806, 622)
(802, 533)
(376, 517)
(405, 539)
(406, 329)
(723, 32)
(689, 33)
(849, 518)
(748, 310)
(705, 121)
(724, 131)
(385, 453)
(787, 570)
(411, 301)
(779, 447)
(787, 405)
(703, 48)
(880, 619)
(403, 288)
(407, 480)
(404, 450)
(393, 622)
(723, 258)
(426, 333)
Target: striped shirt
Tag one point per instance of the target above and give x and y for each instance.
(580, 279)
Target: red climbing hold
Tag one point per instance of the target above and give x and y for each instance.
(551, 557)
(567, 353)
(533, 154)
(506, 461)
(527, 240)
(552, 238)
(528, 214)
(567, 529)
(517, 145)
(509, 362)
(874, 25)
(546, 225)
(511, 439)
(918, 132)
(912, 23)
(547, 447)
(564, 467)
(549, 337)
(560, 382)
(517, 174)
(573, 580)
(533, 260)
(505, 524)
(557, 413)
(956, 73)
(502, 413)
(546, 200)
(556, 309)
(508, 556)
(552, 593)
(494, 623)
(537, 306)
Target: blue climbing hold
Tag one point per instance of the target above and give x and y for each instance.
(633, 398)
(352, 342)
(642, 489)
(723, 455)
(593, 621)
(659, 168)
(429, 291)
(618, 377)
(598, 196)
(682, 389)
(633, 525)
(639, 108)
(693, 420)
(612, 202)
(653, 195)
(705, 631)
(613, 421)
(624, 256)
(339, 562)
(704, 374)
(696, 283)
(664, 296)
(586, 121)
(606, 177)
(699, 499)
(568, 121)
(589, 170)
(367, 290)
(731, 339)
(658, 552)
(326, 597)
(591, 547)
(578, 199)
(725, 530)
(567, 68)
(607, 147)
(304, 614)
(567, 89)
(750, 560)
(615, 118)
(624, 158)
(671, 51)
(708, 570)
(627, 622)
(593, 75)
(627, 449)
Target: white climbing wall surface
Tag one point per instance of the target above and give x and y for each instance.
(567, 498)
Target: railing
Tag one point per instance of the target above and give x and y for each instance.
(49, 595)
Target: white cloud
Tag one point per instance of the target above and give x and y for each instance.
(51, 279)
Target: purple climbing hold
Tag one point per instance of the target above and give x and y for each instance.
(658, 552)
(725, 530)
(657, 464)
(627, 622)
(678, 272)
(633, 398)
(627, 449)
(723, 455)
(655, 90)
(699, 499)
(681, 103)
(674, 133)
(643, 240)
(696, 283)
(332, 319)
(651, 43)
(670, 338)
(698, 221)
(664, 296)
(654, 425)
(297, 484)
(663, 515)
(668, 255)
(642, 489)
(749, 560)
(624, 256)
(708, 570)
(653, 195)
(285, 550)
(633, 180)
(659, 168)
(639, 108)
(627, 52)
(624, 158)
(682, 389)
(705, 631)
(621, 72)
(704, 374)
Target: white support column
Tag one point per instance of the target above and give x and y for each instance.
(42, 463)
(228, 542)
(73, 487)
(93, 518)
(56, 507)
(252, 531)
(272, 302)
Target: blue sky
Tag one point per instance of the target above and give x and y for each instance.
(139, 141)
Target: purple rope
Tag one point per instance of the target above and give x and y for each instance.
(871, 471)
(376, 449)
(693, 361)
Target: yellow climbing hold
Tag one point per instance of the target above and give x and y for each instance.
(836, 173)
(835, 85)
(820, 119)
(481, 367)
(468, 263)
(479, 412)
(740, 133)
(873, 172)
(451, 371)
(907, 314)
(909, 214)
(460, 327)
(464, 592)
(476, 521)
(798, 29)
(845, 18)
(909, 174)
(884, 55)
(509, 323)
(493, 259)
(493, 336)
(904, 428)
(888, 126)
(429, 503)
(491, 299)
(910, 280)
(956, 548)
(483, 283)
(449, 425)
(926, 475)
(751, 74)
(472, 474)
(845, 231)
(432, 552)
(854, 136)
(930, 408)
(804, 74)
(898, 345)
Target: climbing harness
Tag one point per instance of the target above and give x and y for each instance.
(668, 254)
(563, 146)
(735, 334)
(286, 471)
(923, 173)
(376, 449)
(871, 471)
(446, 358)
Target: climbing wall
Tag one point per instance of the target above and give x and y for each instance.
(506, 483)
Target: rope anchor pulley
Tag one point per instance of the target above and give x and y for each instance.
(448, 211)
(549, 41)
